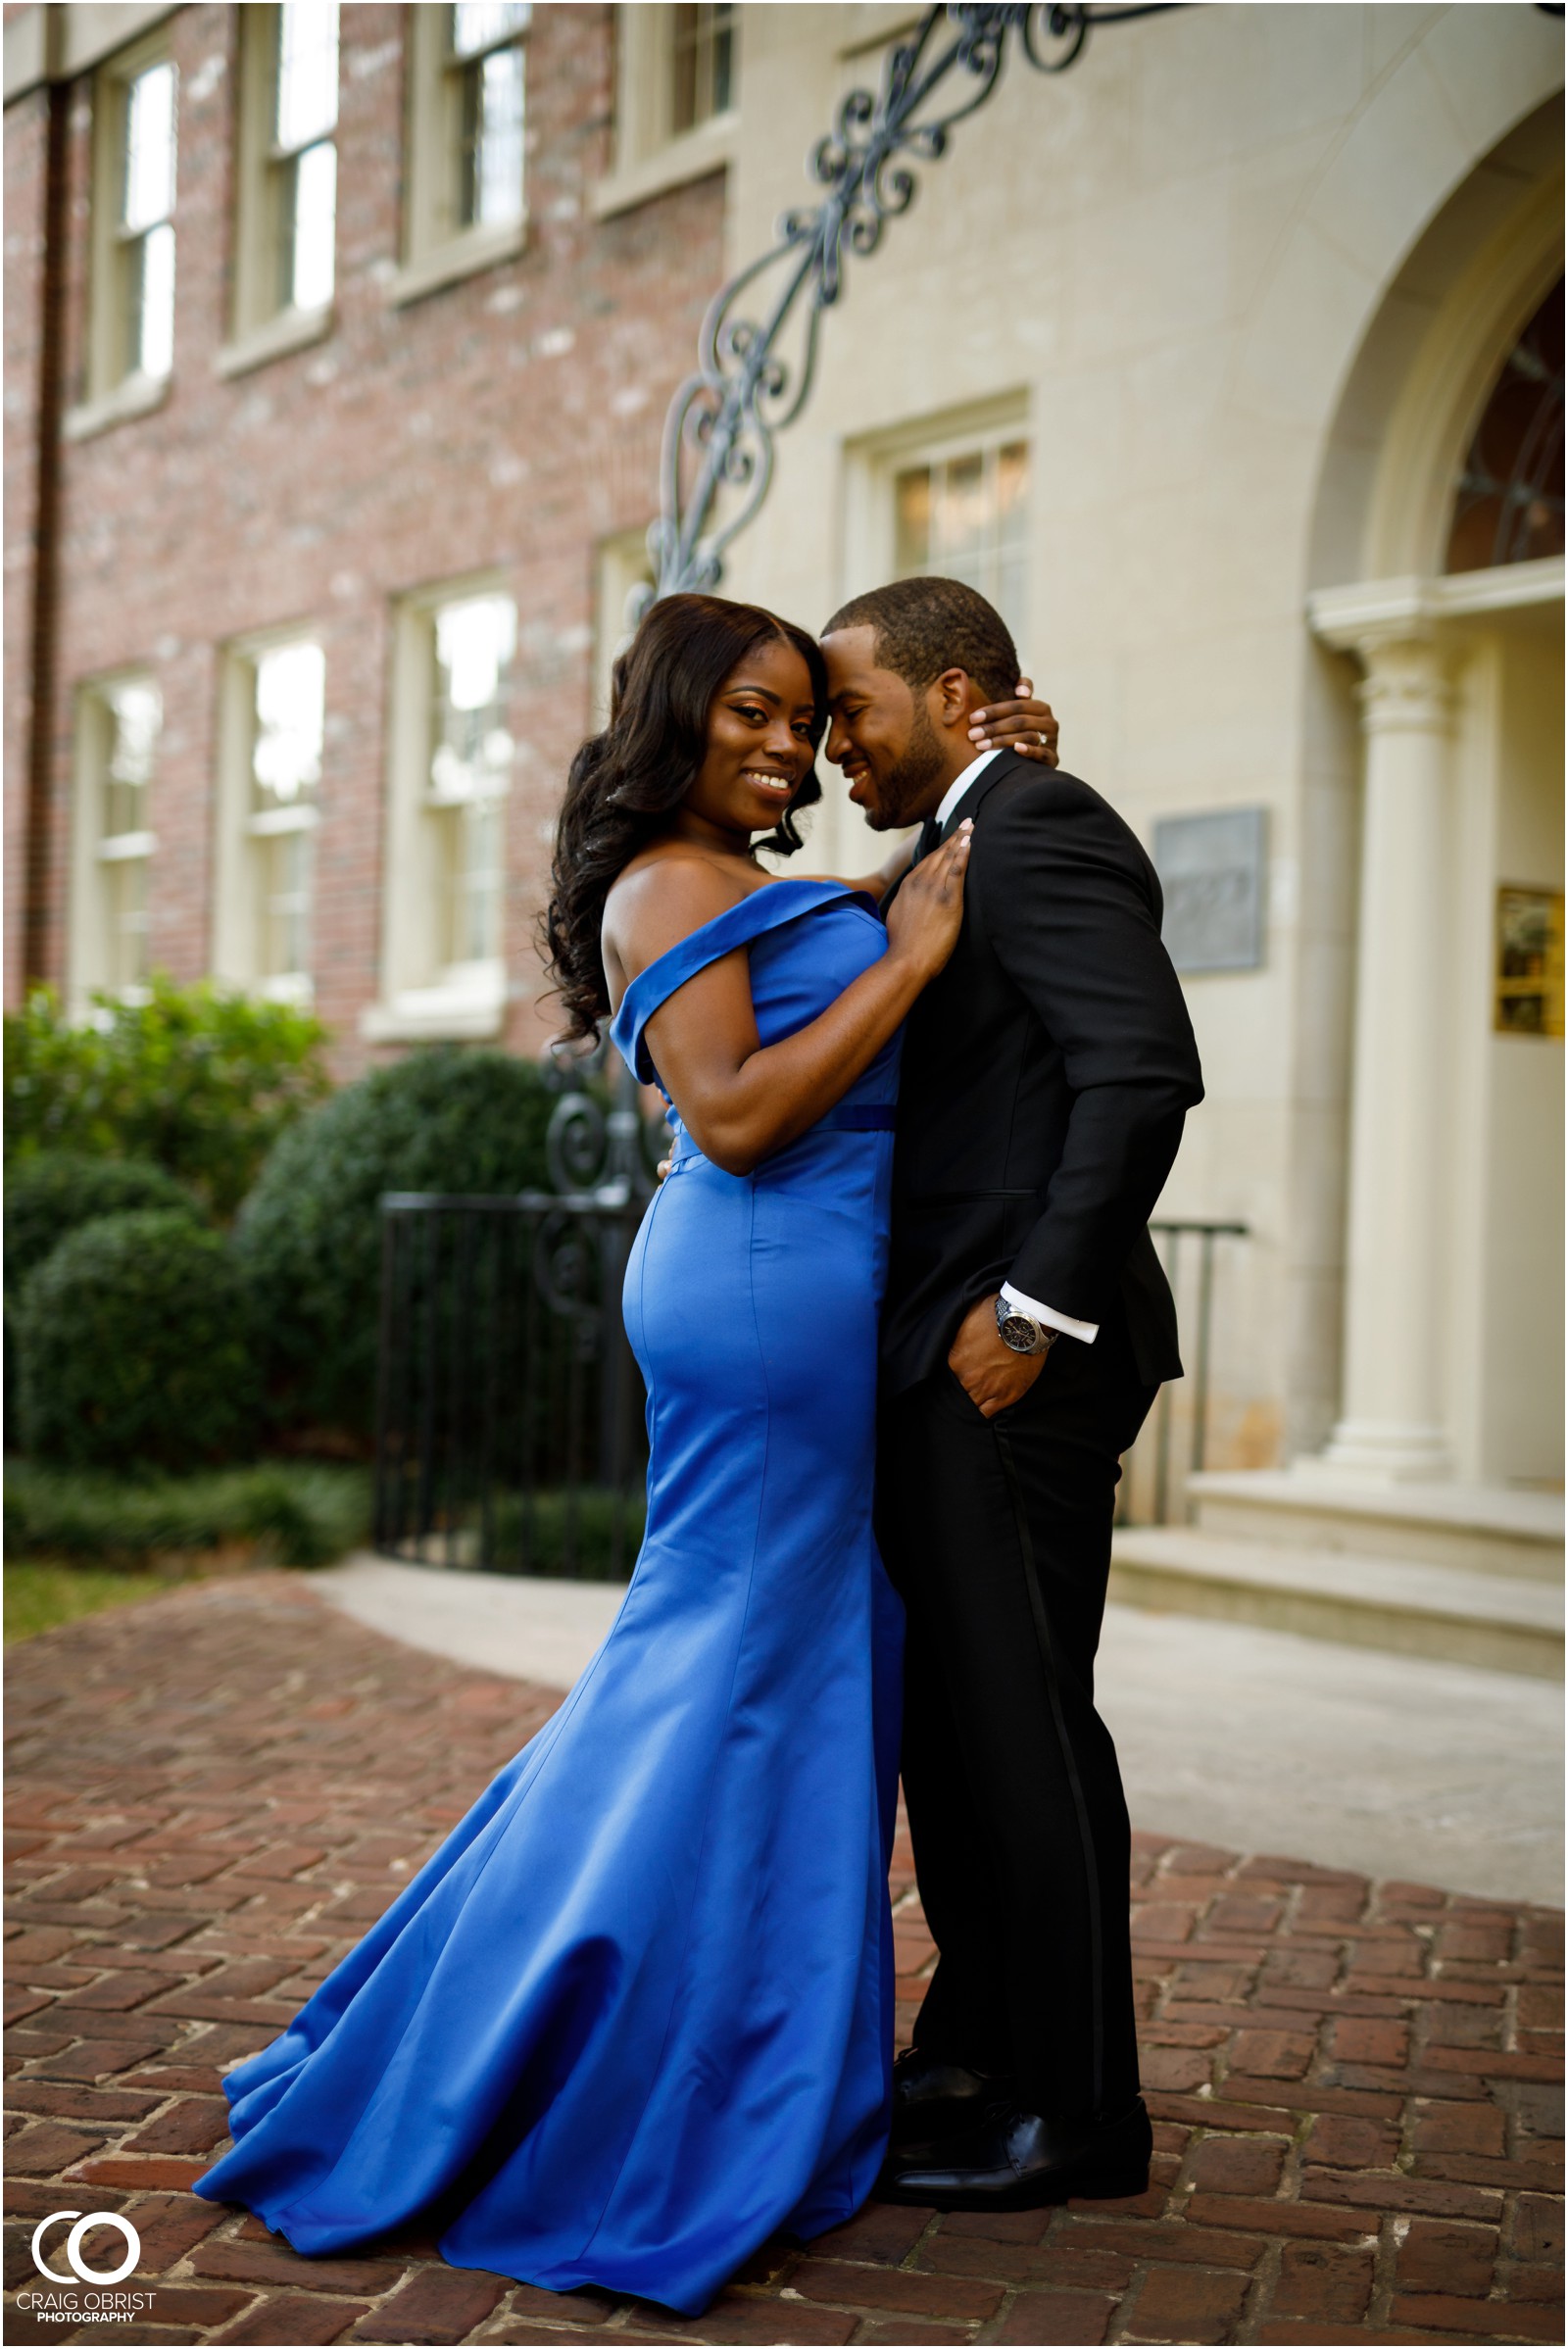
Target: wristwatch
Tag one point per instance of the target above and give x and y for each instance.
(1022, 1332)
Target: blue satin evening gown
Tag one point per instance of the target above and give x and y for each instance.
(635, 2015)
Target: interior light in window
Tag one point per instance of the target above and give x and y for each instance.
(967, 518)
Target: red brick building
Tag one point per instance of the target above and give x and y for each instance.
(337, 353)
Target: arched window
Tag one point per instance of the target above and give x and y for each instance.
(1508, 503)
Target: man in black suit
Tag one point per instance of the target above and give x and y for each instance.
(1046, 1075)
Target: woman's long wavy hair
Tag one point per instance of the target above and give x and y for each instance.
(626, 782)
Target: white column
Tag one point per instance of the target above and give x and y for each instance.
(1402, 1098)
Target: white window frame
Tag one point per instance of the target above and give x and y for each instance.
(650, 155)
(261, 326)
(437, 250)
(236, 952)
(622, 563)
(114, 391)
(872, 468)
(94, 851)
(423, 1001)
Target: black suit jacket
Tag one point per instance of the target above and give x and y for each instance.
(1047, 1072)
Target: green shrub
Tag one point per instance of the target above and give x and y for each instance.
(133, 1349)
(310, 1234)
(54, 1191)
(537, 1535)
(300, 1515)
(198, 1081)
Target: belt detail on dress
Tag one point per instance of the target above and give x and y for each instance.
(856, 1117)
(849, 1117)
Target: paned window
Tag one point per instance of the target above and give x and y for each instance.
(471, 770)
(272, 733)
(287, 729)
(464, 182)
(450, 770)
(1508, 505)
(128, 349)
(677, 83)
(623, 573)
(286, 229)
(965, 515)
(135, 712)
(703, 60)
(118, 723)
(486, 63)
(144, 231)
(302, 153)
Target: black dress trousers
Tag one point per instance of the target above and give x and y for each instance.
(997, 1534)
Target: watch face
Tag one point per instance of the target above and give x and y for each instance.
(1018, 1332)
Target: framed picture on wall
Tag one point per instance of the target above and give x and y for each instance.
(1527, 989)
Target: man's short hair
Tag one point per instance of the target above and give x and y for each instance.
(923, 626)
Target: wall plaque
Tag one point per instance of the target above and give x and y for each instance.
(1212, 870)
(1527, 994)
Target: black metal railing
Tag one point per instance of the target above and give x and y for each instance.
(510, 1412)
(510, 1416)
(1146, 1496)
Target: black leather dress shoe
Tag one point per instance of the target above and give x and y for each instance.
(1013, 2160)
(932, 2098)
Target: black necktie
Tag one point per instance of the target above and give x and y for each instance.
(930, 836)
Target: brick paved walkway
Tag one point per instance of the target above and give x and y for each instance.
(214, 1793)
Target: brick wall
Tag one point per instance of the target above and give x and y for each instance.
(510, 419)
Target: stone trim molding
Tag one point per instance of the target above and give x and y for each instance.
(290, 331)
(1379, 610)
(56, 43)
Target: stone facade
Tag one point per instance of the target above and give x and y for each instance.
(1243, 278)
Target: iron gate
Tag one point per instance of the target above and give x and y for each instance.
(510, 1428)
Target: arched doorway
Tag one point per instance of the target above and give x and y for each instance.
(1453, 1340)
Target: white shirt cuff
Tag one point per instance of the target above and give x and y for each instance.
(1087, 1331)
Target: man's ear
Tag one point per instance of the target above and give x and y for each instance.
(950, 698)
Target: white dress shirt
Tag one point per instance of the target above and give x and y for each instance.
(1087, 1331)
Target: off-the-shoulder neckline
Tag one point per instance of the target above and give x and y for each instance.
(829, 889)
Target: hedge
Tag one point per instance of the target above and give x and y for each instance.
(309, 1236)
(200, 1081)
(55, 1191)
(133, 1349)
(300, 1515)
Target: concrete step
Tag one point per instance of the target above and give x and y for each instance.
(1444, 1613)
(1477, 1529)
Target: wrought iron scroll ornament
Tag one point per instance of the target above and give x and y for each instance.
(752, 378)
(598, 1139)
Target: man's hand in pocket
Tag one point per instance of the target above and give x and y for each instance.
(990, 1373)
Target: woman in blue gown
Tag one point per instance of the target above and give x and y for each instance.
(635, 2015)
